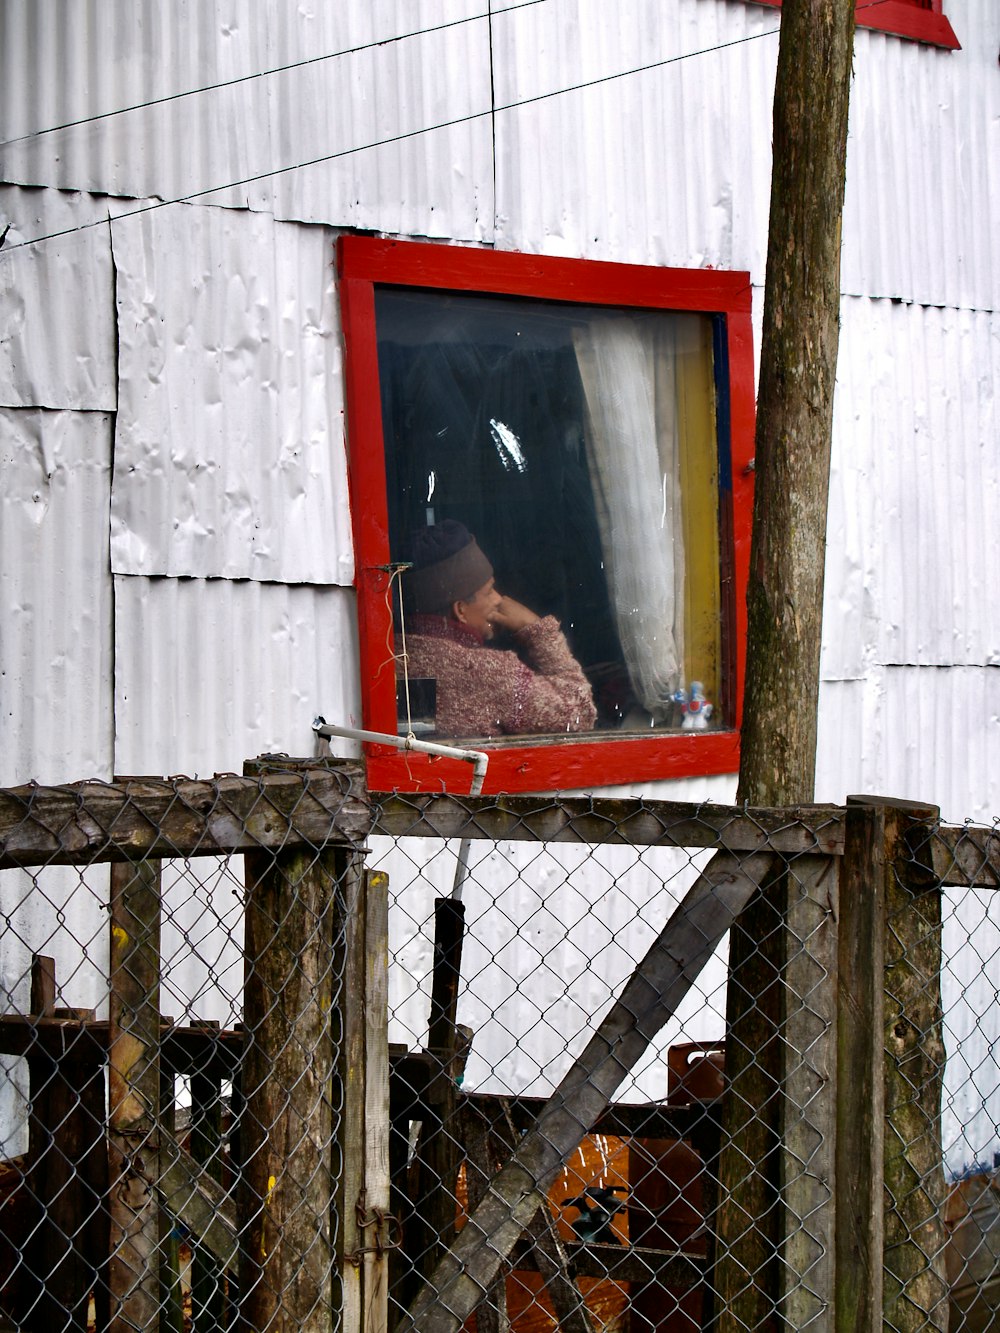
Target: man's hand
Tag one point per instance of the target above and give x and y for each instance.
(512, 616)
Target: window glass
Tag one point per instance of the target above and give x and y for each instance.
(579, 445)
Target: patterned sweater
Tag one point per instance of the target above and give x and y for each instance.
(483, 692)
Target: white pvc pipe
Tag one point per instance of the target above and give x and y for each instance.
(479, 760)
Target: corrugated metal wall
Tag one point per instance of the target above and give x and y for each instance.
(170, 395)
(212, 333)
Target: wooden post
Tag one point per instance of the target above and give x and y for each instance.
(208, 1278)
(860, 1060)
(916, 1287)
(890, 1170)
(286, 1125)
(133, 1095)
(809, 1094)
(431, 1229)
(67, 1170)
(171, 1293)
(365, 1228)
(746, 1288)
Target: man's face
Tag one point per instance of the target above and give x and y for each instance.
(477, 613)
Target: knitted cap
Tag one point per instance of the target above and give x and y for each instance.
(448, 567)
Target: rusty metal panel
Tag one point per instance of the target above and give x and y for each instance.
(55, 648)
(57, 329)
(211, 672)
(123, 78)
(229, 445)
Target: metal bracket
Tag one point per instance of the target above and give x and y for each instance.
(388, 1233)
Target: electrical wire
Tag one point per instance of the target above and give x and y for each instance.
(394, 139)
(268, 73)
(302, 64)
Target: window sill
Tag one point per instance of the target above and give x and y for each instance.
(900, 19)
(561, 764)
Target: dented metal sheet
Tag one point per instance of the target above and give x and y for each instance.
(211, 672)
(283, 87)
(55, 596)
(229, 446)
(57, 328)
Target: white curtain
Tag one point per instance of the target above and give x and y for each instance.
(629, 373)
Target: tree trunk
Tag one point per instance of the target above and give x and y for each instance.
(795, 402)
(785, 608)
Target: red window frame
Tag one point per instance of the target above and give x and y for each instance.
(917, 20)
(593, 759)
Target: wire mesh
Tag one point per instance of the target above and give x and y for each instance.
(268, 1062)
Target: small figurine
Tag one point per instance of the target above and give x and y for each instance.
(694, 707)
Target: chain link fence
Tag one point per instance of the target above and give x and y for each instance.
(282, 1053)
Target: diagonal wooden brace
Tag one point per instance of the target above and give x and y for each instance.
(650, 997)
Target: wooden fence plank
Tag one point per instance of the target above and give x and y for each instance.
(133, 1094)
(647, 1001)
(139, 819)
(860, 1124)
(286, 1127)
(66, 1240)
(350, 1203)
(599, 820)
(916, 1289)
(375, 1262)
(965, 857)
(746, 1285)
(202, 1205)
(809, 1088)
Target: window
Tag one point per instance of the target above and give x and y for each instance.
(592, 425)
(920, 20)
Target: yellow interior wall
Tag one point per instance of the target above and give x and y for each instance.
(699, 474)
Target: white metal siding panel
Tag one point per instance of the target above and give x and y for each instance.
(668, 166)
(436, 183)
(937, 473)
(55, 690)
(862, 417)
(229, 448)
(913, 554)
(671, 166)
(919, 733)
(210, 673)
(57, 331)
(55, 587)
(62, 64)
(924, 166)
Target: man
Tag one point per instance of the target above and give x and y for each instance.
(484, 691)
